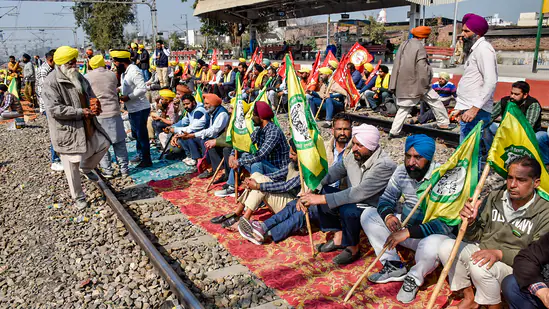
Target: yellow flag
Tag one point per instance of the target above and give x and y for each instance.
(310, 146)
(238, 132)
(545, 8)
(13, 88)
(198, 96)
(453, 182)
(516, 138)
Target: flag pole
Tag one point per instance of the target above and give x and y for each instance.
(236, 178)
(357, 283)
(215, 174)
(459, 238)
(307, 219)
(538, 39)
(322, 103)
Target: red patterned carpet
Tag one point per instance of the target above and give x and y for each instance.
(288, 266)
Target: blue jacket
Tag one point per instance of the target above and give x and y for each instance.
(196, 120)
(357, 79)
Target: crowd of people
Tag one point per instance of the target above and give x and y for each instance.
(364, 189)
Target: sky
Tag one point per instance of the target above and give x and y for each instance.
(171, 15)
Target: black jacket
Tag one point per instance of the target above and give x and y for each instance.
(143, 59)
(531, 264)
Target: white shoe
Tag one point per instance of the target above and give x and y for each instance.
(56, 166)
(191, 162)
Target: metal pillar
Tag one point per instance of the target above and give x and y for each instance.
(154, 20)
(328, 31)
(454, 33)
(538, 39)
(415, 16)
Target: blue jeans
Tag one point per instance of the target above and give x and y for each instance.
(375, 102)
(543, 141)
(467, 127)
(516, 298)
(264, 167)
(194, 147)
(146, 75)
(286, 222)
(331, 106)
(54, 156)
(138, 123)
(121, 154)
(345, 218)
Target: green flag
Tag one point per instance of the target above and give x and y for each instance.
(238, 131)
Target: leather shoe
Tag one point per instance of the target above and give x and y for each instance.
(328, 247)
(222, 218)
(229, 222)
(221, 179)
(346, 257)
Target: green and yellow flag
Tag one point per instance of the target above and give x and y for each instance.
(310, 146)
(13, 88)
(262, 96)
(516, 138)
(238, 131)
(84, 68)
(198, 95)
(454, 182)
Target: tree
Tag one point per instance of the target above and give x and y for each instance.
(104, 23)
(175, 42)
(375, 30)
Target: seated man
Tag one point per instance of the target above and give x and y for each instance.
(196, 119)
(167, 113)
(217, 76)
(383, 226)
(10, 107)
(356, 75)
(227, 84)
(332, 99)
(367, 87)
(446, 91)
(275, 190)
(258, 81)
(502, 224)
(367, 173)
(272, 149)
(381, 89)
(218, 119)
(527, 287)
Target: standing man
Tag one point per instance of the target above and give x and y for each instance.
(103, 83)
(14, 70)
(29, 79)
(133, 92)
(142, 62)
(411, 82)
(475, 91)
(75, 133)
(37, 61)
(43, 71)
(161, 55)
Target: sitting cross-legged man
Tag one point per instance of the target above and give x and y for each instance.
(195, 120)
(167, 113)
(272, 149)
(502, 224)
(218, 119)
(383, 226)
(367, 173)
(275, 190)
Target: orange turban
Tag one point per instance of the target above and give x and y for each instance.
(421, 32)
(212, 99)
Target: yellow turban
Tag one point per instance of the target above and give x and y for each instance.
(333, 64)
(65, 54)
(242, 60)
(133, 45)
(97, 61)
(141, 46)
(215, 67)
(369, 67)
(173, 63)
(305, 70)
(167, 94)
(275, 65)
(325, 71)
(193, 63)
(153, 67)
(121, 54)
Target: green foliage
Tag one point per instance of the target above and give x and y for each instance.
(175, 43)
(104, 23)
(375, 31)
(311, 41)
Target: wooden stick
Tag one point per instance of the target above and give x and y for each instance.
(236, 178)
(215, 174)
(459, 238)
(278, 106)
(357, 283)
(309, 229)
(322, 103)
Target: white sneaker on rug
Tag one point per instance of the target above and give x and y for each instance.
(56, 166)
(191, 162)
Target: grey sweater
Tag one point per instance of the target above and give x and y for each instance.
(366, 182)
(104, 84)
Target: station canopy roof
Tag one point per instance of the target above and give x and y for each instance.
(259, 11)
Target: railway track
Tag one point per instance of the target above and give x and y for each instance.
(200, 272)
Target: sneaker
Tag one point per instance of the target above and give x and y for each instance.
(91, 176)
(80, 204)
(389, 273)
(189, 161)
(257, 229)
(229, 191)
(408, 291)
(246, 230)
(56, 166)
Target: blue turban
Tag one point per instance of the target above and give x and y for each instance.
(423, 144)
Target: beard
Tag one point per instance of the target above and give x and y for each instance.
(468, 44)
(211, 109)
(518, 102)
(417, 173)
(73, 75)
(360, 158)
(342, 139)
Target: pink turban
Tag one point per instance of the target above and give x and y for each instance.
(367, 135)
(476, 23)
(263, 110)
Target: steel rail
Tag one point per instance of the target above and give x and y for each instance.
(183, 294)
